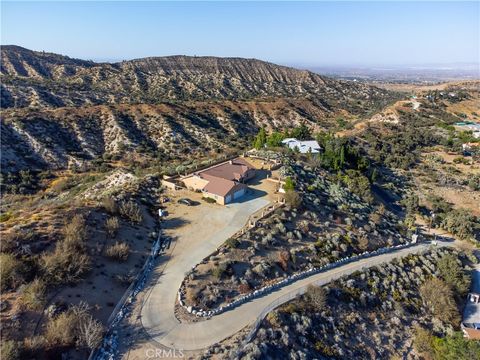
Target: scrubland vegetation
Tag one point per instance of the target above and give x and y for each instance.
(47, 258)
(377, 313)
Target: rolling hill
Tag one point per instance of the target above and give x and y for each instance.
(58, 110)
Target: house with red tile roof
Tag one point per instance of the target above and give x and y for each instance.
(223, 182)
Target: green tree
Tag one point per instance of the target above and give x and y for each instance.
(423, 341)
(301, 132)
(342, 156)
(275, 139)
(289, 184)
(453, 274)
(460, 222)
(260, 139)
(455, 347)
(358, 184)
(411, 203)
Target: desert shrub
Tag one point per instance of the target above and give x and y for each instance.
(118, 251)
(315, 295)
(244, 288)
(110, 205)
(191, 295)
(474, 183)
(439, 205)
(358, 184)
(461, 160)
(438, 297)
(219, 270)
(33, 295)
(5, 216)
(74, 326)
(10, 272)
(10, 350)
(34, 345)
(325, 349)
(69, 261)
(60, 185)
(460, 222)
(64, 266)
(411, 203)
(209, 200)
(90, 332)
(112, 225)
(423, 341)
(75, 234)
(131, 211)
(293, 198)
(61, 329)
(376, 218)
(232, 242)
(452, 272)
(363, 242)
(274, 319)
(283, 259)
(10, 242)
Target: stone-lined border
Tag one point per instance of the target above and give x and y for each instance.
(199, 312)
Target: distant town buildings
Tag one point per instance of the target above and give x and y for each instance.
(304, 147)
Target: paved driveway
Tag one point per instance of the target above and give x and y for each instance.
(161, 324)
(196, 234)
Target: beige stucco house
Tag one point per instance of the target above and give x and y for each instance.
(223, 182)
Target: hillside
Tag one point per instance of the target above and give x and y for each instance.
(31, 78)
(58, 138)
(160, 107)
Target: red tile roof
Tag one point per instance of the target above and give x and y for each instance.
(221, 187)
(233, 170)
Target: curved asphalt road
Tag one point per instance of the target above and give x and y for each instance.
(158, 316)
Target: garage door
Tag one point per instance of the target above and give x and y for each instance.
(238, 194)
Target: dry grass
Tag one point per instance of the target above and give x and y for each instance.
(69, 261)
(61, 330)
(74, 326)
(33, 295)
(118, 251)
(10, 271)
(131, 211)
(111, 226)
(110, 206)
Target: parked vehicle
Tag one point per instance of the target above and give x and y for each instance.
(187, 202)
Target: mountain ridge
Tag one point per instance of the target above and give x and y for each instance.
(58, 111)
(38, 79)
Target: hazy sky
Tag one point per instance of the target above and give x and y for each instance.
(302, 33)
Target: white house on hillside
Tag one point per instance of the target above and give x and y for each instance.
(303, 147)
